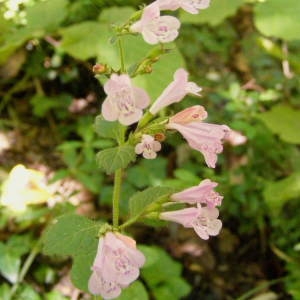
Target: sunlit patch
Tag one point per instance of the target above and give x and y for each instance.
(23, 187)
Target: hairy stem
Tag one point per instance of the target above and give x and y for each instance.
(122, 59)
(116, 197)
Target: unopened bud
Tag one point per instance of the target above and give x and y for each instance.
(148, 69)
(155, 59)
(100, 69)
(160, 137)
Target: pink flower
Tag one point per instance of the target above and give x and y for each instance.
(148, 147)
(204, 220)
(154, 28)
(203, 193)
(204, 137)
(116, 265)
(191, 6)
(175, 91)
(124, 102)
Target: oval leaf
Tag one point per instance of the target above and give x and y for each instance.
(116, 158)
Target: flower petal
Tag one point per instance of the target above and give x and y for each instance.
(109, 111)
(142, 99)
(184, 216)
(98, 286)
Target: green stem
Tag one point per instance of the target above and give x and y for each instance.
(121, 50)
(116, 197)
(20, 86)
(145, 120)
(129, 222)
(27, 264)
(262, 286)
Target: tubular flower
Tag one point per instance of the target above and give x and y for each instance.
(175, 91)
(155, 28)
(124, 102)
(116, 265)
(204, 137)
(148, 147)
(203, 193)
(204, 220)
(191, 6)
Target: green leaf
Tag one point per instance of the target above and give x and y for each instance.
(155, 274)
(176, 288)
(46, 15)
(81, 269)
(54, 295)
(9, 264)
(277, 193)
(107, 129)
(148, 172)
(19, 245)
(276, 18)
(12, 41)
(26, 292)
(140, 202)
(75, 231)
(135, 291)
(284, 121)
(165, 282)
(116, 15)
(116, 158)
(84, 40)
(74, 236)
(5, 291)
(42, 104)
(215, 14)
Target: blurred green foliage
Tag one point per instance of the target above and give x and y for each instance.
(246, 56)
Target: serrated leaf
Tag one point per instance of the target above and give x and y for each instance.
(75, 231)
(107, 129)
(276, 18)
(277, 193)
(284, 121)
(215, 14)
(141, 201)
(74, 236)
(116, 158)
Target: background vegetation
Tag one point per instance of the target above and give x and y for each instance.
(246, 56)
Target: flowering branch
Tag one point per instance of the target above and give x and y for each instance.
(127, 109)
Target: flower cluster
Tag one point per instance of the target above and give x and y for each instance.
(118, 261)
(202, 218)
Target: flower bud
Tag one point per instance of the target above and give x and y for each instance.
(100, 69)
